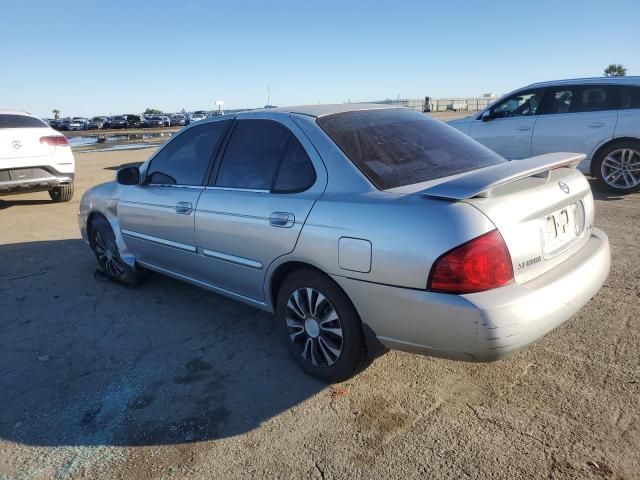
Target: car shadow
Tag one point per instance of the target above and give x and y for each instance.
(601, 193)
(4, 204)
(85, 361)
(124, 165)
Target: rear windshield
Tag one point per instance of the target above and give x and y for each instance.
(20, 121)
(397, 147)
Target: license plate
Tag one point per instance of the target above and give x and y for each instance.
(562, 227)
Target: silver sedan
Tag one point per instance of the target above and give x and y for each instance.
(363, 228)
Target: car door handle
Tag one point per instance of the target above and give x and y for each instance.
(596, 125)
(282, 219)
(523, 128)
(184, 208)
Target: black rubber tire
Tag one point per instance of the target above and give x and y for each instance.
(101, 229)
(353, 357)
(61, 194)
(596, 167)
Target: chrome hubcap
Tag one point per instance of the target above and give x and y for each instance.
(107, 257)
(621, 168)
(314, 327)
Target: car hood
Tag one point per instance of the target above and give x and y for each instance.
(461, 121)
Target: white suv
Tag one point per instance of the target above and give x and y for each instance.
(34, 157)
(599, 117)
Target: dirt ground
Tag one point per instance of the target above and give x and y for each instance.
(170, 381)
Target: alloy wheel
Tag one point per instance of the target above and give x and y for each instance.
(621, 169)
(108, 257)
(314, 327)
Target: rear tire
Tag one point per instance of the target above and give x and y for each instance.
(322, 328)
(103, 244)
(617, 166)
(61, 194)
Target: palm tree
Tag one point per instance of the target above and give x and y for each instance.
(614, 70)
(56, 113)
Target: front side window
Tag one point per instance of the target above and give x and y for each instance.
(184, 160)
(397, 147)
(518, 105)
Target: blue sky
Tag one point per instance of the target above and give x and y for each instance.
(86, 57)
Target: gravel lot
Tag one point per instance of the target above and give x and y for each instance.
(169, 381)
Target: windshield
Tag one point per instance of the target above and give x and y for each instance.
(397, 147)
(118, 118)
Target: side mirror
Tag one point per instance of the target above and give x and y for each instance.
(488, 115)
(128, 176)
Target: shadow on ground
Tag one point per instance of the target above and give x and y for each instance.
(602, 193)
(15, 203)
(84, 361)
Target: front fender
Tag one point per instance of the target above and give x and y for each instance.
(103, 200)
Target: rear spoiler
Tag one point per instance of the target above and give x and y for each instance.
(480, 183)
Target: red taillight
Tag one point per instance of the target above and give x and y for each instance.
(55, 140)
(480, 264)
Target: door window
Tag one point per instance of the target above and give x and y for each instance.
(296, 172)
(594, 99)
(185, 159)
(252, 157)
(576, 99)
(520, 104)
(626, 96)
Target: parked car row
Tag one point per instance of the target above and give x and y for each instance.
(128, 121)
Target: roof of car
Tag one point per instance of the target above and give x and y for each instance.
(8, 111)
(590, 80)
(321, 110)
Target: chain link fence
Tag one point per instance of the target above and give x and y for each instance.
(469, 104)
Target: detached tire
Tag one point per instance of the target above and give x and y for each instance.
(61, 194)
(321, 327)
(617, 166)
(103, 244)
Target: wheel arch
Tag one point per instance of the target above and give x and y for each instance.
(606, 144)
(125, 254)
(373, 345)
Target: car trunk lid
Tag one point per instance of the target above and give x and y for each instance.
(24, 142)
(542, 206)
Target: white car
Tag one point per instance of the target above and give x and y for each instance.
(79, 124)
(34, 157)
(599, 117)
(196, 117)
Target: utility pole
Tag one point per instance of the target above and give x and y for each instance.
(268, 94)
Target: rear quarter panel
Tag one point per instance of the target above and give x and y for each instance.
(628, 123)
(404, 233)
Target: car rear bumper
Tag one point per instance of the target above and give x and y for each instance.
(483, 326)
(32, 179)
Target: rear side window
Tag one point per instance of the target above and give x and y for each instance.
(253, 154)
(594, 99)
(20, 121)
(626, 96)
(296, 172)
(580, 99)
(185, 159)
(397, 147)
